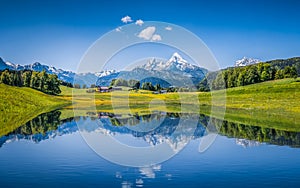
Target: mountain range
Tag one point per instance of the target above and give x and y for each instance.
(174, 72)
(64, 75)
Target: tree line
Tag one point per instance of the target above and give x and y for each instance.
(135, 84)
(127, 83)
(250, 132)
(42, 81)
(241, 76)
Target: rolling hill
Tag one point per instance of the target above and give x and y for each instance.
(21, 104)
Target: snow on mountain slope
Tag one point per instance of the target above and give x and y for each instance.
(67, 76)
(105, 73)
(246, 61)
(175, 63)
(176, 71)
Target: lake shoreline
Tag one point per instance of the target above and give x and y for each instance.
(246, 105)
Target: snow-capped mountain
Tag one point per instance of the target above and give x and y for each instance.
(175, 63)
(176, 71)
(105, 73)
(64, 75)
(246, 61)
(67, 76)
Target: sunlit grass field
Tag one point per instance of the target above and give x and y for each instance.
(273, 104)
(21, 104)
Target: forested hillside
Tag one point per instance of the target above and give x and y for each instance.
(42, 81)
(241, 76)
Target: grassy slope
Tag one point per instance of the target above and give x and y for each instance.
(19, 105)
(273, 104)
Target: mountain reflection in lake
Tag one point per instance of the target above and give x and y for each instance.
(152, 128)
(62, 158)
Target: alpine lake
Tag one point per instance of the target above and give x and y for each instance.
(51, 151)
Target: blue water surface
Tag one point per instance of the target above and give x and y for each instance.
(66, 160)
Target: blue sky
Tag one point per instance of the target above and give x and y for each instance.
(59, 32)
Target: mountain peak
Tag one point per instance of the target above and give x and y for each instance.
(3, 65)
(176, 64)
(65, 75)
(177, 58)
(245, 61)
(36, 64)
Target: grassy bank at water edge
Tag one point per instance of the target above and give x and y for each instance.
(20, 104)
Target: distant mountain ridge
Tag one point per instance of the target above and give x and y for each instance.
(245, 61)
(276, 63)
(3, 65)
(174, 72)
(64, 75)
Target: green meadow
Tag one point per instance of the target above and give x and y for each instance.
(21, 104)
(272, 104)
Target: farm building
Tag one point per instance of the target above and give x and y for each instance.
(104, 89)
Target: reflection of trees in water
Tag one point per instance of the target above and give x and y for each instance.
(261, 134)
(50, 121)
(43, 123)
(226, 128)
(42, 127)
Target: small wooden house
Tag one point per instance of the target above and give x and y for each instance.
(103, 89)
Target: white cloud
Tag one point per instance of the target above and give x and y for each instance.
(139, 22)
(147, 33)
(168, 28)
(118, 29)
(126, 19)
(156, 37)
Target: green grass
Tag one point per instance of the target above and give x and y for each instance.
(21, 104)
(273, 104)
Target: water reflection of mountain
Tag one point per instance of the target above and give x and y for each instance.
(172, 128)
(153, 128)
